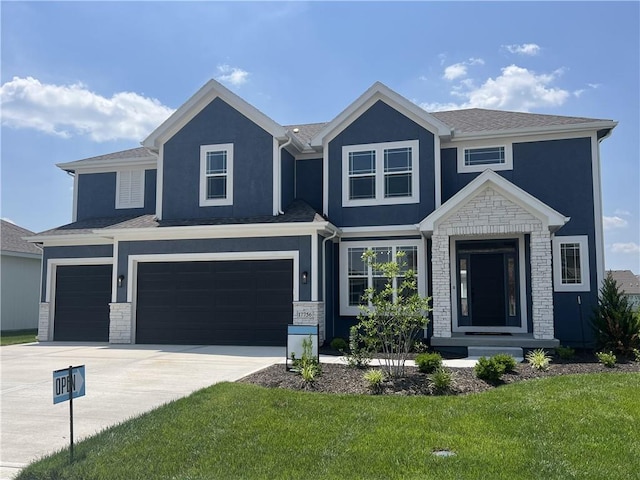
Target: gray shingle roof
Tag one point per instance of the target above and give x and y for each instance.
(306, 131)
(12, 239)
(139, 152)
(627, 281)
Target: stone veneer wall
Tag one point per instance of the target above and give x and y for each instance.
(120, 323)
(310, 313)
(43, 322)
(489, 214)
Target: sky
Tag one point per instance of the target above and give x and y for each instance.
(79, 79)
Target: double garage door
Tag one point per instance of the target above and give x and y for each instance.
(247, 302)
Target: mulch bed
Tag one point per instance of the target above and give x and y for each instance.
(338, 378)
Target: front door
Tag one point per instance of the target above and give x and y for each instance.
(487, 285)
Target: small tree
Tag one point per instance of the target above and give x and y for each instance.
(393, 315)
(616, 326)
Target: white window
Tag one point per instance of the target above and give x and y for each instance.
(356, 276)
(479, 157)
(216, 175)
(130, 189)
(380, 174)
(571, 264)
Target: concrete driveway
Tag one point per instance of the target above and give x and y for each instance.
(122, 381)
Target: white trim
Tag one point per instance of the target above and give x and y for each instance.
(437, 170)
(159, 180)
(74, 214)
(211, 257)
(228, 199)
(345, 308)
(203, 97)
(308, 156)
(550, 218)
(71, 240)
(380, 231)
(276, 177)
(508, 156)
(109, 165)
(376, 92)
(119, 186)
(313, 275)
(325, 180)
(380, 174)
(114, 273)
(453, 272)
(585, 284)
(9, 253)
(597, 209)
(118, 166)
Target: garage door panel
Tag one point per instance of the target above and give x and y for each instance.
(246, 302)
(82, 296)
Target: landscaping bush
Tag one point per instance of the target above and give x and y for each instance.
(375, 379)
(507, 360)
(608, 359)
(442, 380)
(359, 355)
(616, 325)
(339, 344)
(428, 362)
(565, 353)
(307, 365)
(636, 354)
(538, 359)
(489, 369)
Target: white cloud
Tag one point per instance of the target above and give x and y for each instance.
(458, 70)
(614, 222)
(530, 49)
(68, 110)
(630, 247)
(232, 75)
(516, 88)
(620, 211)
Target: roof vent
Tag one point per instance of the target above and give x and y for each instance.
(296, 130)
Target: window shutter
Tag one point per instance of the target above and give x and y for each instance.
(130, 189)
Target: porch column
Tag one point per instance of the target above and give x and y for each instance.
(44, 317)
(440, 271)
(120, 320)
(541, 284)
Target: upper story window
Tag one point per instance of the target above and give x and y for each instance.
(130, 189)
(571, 263)
(380, 174)
(477, 158)
(216, 175)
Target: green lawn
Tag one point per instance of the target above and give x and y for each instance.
(14, 337)
(582, 427)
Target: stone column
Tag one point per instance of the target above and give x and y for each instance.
(44, 320)
(310, 313)
(120, 323)
(541, 284)
(440, 272)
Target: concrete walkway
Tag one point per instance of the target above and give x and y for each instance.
(121, 382)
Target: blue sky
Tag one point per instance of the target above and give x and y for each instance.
(80, 79)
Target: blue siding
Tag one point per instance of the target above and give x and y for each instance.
(97, 196)
(302, 244)
(309, 182)
(253, 165)
(287, 179)
(381, 123)
(80, 251)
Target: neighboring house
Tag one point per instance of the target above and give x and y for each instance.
(225, 226)
(20, 266)
(629, 284)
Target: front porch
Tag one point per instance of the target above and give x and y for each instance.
(522, 340)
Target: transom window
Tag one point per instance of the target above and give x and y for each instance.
(479, 157)
(571, 263)
(357, 276)
(130, 189)
(382, 173)
(216, 174)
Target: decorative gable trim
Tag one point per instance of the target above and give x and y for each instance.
(203, 97)
(549, 217)
(376, 92)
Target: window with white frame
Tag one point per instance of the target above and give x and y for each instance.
(477, 158)
(356, 275)
(130, 189)
(571, 263)
(216, 174)
(380, 173)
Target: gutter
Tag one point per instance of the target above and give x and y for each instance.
(279, 179)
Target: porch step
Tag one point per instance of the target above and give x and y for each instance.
(488, 351)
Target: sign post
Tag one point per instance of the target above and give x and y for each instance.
(68, 384)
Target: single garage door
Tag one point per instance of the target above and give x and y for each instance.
(83, 293)
(246, 302)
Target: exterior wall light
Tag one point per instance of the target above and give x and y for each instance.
(305, 277)
(120, 280)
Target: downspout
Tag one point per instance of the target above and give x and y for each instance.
(285, 144)
(324, 281)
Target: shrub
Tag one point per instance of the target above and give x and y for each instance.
(307, 365)
(309, 373)
(489, 369)
(375, 378)
(538, 359)
(442, 380)
(565, 352)
(636, 354)
(507, 360)
(359, 355)
(616, 325)
(339, 344)
(428, 362)
(395, 314)
(419, 347)
(608, 359)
